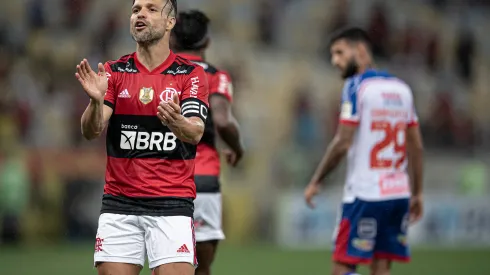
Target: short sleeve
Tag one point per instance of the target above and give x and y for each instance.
(110, 95)
(349, 110)
(220, 84)
(194, 98)
(413, 119)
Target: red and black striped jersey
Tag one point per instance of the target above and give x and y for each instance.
(207, 159)
(149, 170)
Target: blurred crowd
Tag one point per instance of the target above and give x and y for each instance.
(46, 167)
(449, 122)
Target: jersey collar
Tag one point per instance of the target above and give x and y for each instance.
(191, 57)
(170, 59)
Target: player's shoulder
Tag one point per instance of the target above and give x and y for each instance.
(182, 66)
(214, 72)
(372, 77)
(124, 64)
(208, 67)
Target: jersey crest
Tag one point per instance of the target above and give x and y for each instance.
(146, 95)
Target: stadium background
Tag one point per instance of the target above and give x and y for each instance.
(286, 100)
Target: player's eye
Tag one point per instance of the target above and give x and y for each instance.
(135, 10)
(153, 10)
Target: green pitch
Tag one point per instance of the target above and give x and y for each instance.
(234, 260)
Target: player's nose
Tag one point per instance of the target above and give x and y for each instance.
(142, 14)
(335, 61)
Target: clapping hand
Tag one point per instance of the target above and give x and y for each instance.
(94, 84)
(169, 111)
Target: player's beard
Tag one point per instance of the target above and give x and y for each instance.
(351, 69)
(147, 37)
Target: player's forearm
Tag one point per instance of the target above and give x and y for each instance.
(334, 155)
(229, 131)
(92, 120)
(417, 170)
(188, 130)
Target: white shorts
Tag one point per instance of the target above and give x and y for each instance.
(129, 239)
(207, 217)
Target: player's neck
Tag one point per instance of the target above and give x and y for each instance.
(363, 68)
(152, 56)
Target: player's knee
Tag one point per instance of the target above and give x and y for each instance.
(381, 267)
(204, 267)
(380, 272)
(205, 256)
(343, 269)
(343, 273)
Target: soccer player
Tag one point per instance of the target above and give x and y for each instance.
(379, 133)
(155, 104)
(190, 40)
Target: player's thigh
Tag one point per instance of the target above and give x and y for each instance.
(206, 252)
(118, 268)
(208, 217)
(355, 235)
(120, 239)
(380, 267)
(391, 243)
(170, 240)
(174, 269)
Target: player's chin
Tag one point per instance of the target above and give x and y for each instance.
(346, 74)
(140, 36)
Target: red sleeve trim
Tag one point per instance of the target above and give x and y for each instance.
(349, 122)
(412, 124)
(109, 103)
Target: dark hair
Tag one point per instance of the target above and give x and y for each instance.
(173, 8)
(351, 34)
(190, 31)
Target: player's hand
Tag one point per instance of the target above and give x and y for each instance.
(310, 192)
(416, 209)
(232, 157)
(169, 111)
(94, 84)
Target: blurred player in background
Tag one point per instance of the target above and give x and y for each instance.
(155, 105)
(190, 40)
(379, 132)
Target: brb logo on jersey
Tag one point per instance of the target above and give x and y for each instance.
(153, 141)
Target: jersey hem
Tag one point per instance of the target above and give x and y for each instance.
(412, 124)
(109, 104)
(349, 122)
(160, 206)
(207, 184)
(168, 213)
(354, 198)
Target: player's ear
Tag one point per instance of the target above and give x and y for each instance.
(207, 43)
(358, 51)
(362, 49)
(171, 22)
